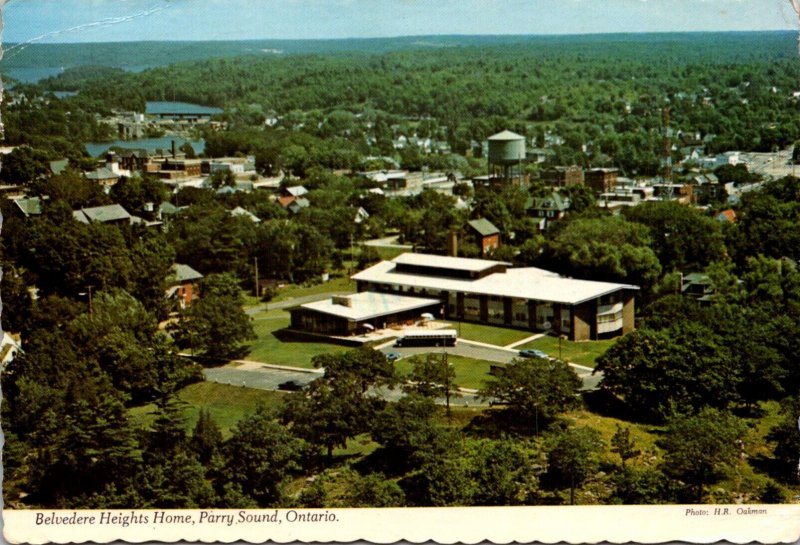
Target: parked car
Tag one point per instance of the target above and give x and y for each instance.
(393, 356)
(290, 386)
(533, 353)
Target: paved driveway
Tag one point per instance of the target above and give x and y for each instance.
(497, 354)
(263, 378)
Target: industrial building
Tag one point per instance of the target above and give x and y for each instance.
(492, 292)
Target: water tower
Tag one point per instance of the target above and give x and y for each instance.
(506, 155)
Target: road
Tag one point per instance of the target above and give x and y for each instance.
(249, 374)
(496, 354)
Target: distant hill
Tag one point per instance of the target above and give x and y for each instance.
(136, 56)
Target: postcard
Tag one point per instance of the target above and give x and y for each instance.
(349, 270)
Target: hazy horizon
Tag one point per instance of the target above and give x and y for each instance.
(412, 36)
(102, 21)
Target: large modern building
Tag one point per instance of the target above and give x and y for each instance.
(492, 292)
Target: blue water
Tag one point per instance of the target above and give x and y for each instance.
(38, 73)
(32, 75)
(151, 144)
(155, 108)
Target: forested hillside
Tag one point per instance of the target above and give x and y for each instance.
(107, 406)
(603, 97)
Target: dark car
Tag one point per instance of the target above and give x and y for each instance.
(393, 356)
(290, 386)
(533, 353)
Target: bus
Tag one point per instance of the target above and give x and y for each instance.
(432, 337)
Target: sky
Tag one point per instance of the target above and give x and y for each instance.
(59, 21)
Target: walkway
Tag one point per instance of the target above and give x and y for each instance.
(387, 242)
(526, 340)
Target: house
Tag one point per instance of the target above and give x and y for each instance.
(540, 155)
(31, 206)
(360, 313)
(293, 204)
(698, 286)
(602, 180)
(561, 176)
(484, 234)
(295, 191)
(547, 209)
(136, 159)
(112, 213)
(103, 176)
(9, 346)
(166, 210)
(492, 292)
(707, 188)
(242, 213)
(59, 166)
(726, 216)
(361, 215)
(184, 285)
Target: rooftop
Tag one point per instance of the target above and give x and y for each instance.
(483, 227)
(184, 273)
(111, 212)
(445, 262)
(366, 305)
(506, 135)
(101, 173)
(31, 206)
(525, 282)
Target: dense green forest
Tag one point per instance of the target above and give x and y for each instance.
(695, 46)
(599, 100)
(699, 404)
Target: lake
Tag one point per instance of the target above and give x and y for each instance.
(151, 144)
(161, 107)
(35, 74)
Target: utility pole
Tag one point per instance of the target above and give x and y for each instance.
(352, 258)
(446, 381)
(90, 300)
(255, 272)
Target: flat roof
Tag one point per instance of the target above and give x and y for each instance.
(367, 304)
(522, 283)
(446, 262)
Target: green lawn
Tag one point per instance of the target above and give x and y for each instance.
(387, 254)
(227, 404)
(470, 372)
(268, 348)
(337, 284)
(581, 352)
(500, 336)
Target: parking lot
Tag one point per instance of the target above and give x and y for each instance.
(259, 376)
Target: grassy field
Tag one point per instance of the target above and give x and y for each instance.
(227, 404)
(470, 373)
(337, 284)
(500, 336)
(387, 254)
(268, 348)
(582, 352)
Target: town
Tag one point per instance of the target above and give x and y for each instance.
(536, 280)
